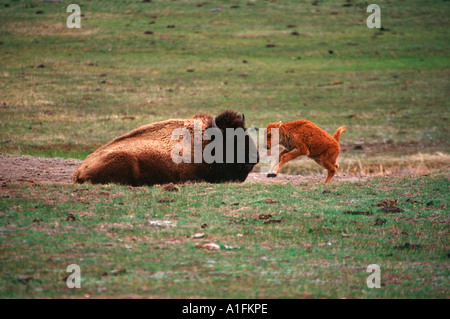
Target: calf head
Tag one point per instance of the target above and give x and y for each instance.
(271, 133)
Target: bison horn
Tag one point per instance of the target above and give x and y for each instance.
(243, 118)
(213, 122)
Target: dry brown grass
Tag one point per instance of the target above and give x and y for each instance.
(27, 28)
(375, 166)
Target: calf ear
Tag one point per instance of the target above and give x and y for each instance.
(243, 118)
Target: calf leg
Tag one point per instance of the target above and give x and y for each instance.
(275, 165)
(329, 163)
(331, 168)
(289, 156)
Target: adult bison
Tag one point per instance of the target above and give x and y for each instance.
(145, 156)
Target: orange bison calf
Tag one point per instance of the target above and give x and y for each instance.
(305, 138)
(144, 155)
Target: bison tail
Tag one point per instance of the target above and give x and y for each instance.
(337, 134)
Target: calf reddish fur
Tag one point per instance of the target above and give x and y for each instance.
(143, 156)
(304, 138)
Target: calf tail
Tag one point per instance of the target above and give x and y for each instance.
(337, 134)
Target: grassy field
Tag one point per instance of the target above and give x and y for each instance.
(310, 241)
(65, 92)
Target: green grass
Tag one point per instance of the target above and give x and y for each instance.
(317, 250)
(396, 81)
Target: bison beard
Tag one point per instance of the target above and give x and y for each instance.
(143, 156)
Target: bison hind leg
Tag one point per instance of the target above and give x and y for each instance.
(114, 167)
(122, 168)
(77, 178)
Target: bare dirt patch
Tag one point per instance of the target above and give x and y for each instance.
(298, 179)
(30, 169)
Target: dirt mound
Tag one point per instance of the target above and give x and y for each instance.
(30, 169)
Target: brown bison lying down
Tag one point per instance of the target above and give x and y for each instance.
(144, 156)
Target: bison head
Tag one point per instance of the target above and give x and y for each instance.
(236, 155)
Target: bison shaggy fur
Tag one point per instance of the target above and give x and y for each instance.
(143, 156)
